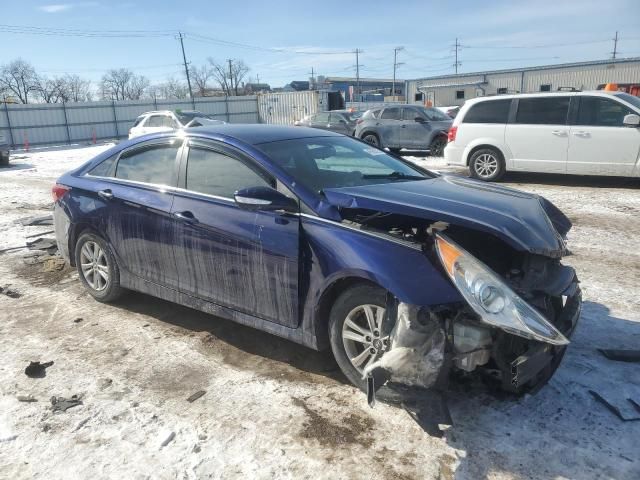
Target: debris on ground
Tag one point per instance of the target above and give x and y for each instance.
(81, 424)
(78, 320)
(625, 410)
(196, 396)
(10, 292)
(61, 404)
(169, 438)
(44, 243)
(429, 410)
(104, 383)
(26, 398)
(53, 264)
(48, 232)
(37, 220)
(621, 355)
(37, 369)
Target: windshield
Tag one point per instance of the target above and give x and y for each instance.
(635, 101)
(333, 162)
(186, 117)
(434, 115)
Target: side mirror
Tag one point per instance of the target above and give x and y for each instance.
(264, 199)
(344, 122)
(420, 120)
(631, 120)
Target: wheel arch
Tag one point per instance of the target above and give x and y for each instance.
(480, 146)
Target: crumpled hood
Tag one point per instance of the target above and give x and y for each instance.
(525, 221)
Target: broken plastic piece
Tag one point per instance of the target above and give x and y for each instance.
(621, 355)
(61, 404)
(623, 413)
(196, 396)
(429, 409)
(37, 369)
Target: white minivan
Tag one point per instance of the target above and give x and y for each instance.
(582, 133)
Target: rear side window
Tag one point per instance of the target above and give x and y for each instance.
(150, 165)
(601, 112)
(218, 174)
(494, 111)
(155, 121)
(105, 168)
(391, 114)
(543, 111)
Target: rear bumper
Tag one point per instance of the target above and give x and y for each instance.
(62, 228)
(453, 155)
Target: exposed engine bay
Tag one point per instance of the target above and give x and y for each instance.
(479, 335)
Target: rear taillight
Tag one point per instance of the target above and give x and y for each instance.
(58, 191)
(451, 136)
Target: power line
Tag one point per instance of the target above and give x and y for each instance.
(65, 32)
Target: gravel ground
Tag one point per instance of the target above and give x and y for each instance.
(273, 409)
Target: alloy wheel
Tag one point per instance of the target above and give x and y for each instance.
(486, 165)
(437, 147)
(94, 265)
(372, 139)
(361, 336)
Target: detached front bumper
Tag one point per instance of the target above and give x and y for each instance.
(61, 226)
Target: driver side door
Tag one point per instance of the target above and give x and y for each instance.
(240, 259)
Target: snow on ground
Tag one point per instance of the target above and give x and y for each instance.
(273, 409)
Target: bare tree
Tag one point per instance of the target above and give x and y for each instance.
(75, 89)
(20, 79)
(229, 75)
(172, 88)
(201, 79)
(123, 84)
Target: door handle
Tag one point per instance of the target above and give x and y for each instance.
(186, 216)
(559, 133)
(581, 134)
(106, 194)
(404, 126)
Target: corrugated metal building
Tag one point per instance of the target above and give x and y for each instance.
(445, 90)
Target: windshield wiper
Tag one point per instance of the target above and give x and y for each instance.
(393, 176)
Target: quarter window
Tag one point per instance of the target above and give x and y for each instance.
(218, 174)
(104, 168)
(154, 164)
(491, 111)
(543, 111)
(601, 112)
(390, 114)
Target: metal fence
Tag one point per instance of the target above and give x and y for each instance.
(60, 123)
(362, 106)
(67, 123)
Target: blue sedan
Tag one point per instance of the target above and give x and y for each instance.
(332, 243)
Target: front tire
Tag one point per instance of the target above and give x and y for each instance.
(436, 149)
(354, 330)
(487, 164)
(97, 268)
(371, 138)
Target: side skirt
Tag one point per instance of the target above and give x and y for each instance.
(296, 335)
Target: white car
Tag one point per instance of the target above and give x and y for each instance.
(166, 121)
(4, 151)
(583, 133)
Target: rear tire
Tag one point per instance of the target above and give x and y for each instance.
(487, 164)
(4, 160)
(352, 305)
(97, 268)
(395, 150)
(371, 138)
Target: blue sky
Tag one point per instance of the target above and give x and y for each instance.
(493, 34)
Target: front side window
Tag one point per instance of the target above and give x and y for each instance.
(218, 174)
(333, 162)
(322, 118)
(390, 114)
(490, 111)
(169, 122)
(154, 164)
(337, 118)
(601, 112)
(543, 110)
(434, 114)
(138, 121)
(411, 114)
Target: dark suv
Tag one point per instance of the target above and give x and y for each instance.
(406, 126)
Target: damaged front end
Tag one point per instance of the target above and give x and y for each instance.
(519, 306)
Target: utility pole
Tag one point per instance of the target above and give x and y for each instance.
(230, 77)
(313, 80)
(257, 78)
(457, 47)
(395, 65)
(186, 67)
(615, 46)
(358, 71)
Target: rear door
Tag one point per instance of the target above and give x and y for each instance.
(599, 143)
(389, 127)
(538, 136)
(137, 216)
(240, 259)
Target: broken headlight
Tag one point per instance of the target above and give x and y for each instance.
(491, 298)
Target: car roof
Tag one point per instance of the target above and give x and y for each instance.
(254, 134)
(595, 93)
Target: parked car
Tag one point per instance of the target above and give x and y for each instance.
(340, 121)
(329, 242)
(406, 126)
(166, 120)
(450, 111)
(583, 133)
(4, 151)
